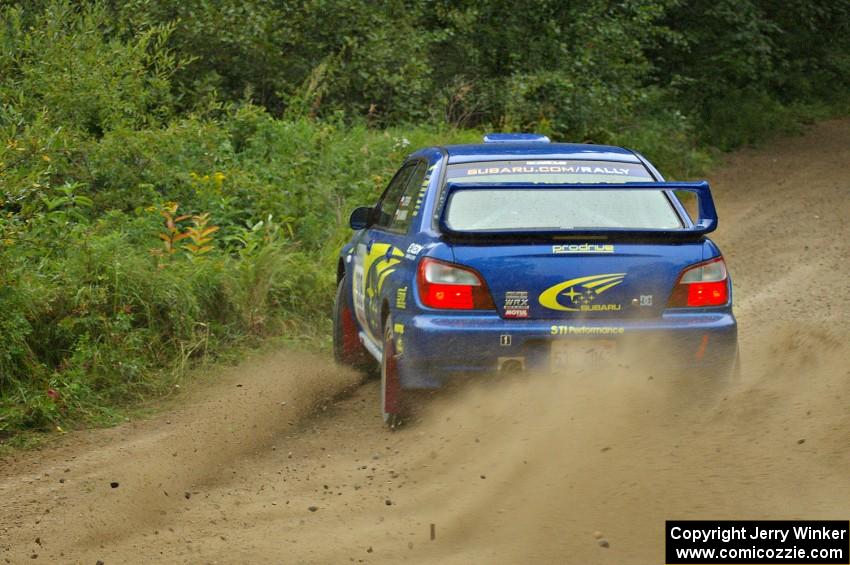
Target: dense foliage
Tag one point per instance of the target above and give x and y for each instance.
(175, 176)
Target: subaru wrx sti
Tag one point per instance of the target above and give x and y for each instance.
(518, 254)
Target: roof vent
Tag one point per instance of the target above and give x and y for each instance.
(515, 138)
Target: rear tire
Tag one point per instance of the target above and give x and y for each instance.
(391, 398)
(347, 347)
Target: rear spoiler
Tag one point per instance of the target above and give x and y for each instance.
(706, 223)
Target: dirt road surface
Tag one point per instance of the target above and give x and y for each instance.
(526, 471)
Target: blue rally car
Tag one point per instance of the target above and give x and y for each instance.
(521, 254)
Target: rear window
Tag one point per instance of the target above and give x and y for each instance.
(556, 209)
(548, 171)
(559, 209)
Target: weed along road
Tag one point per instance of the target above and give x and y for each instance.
(270, 464)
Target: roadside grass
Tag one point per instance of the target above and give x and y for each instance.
(170, 387)
(107, 294)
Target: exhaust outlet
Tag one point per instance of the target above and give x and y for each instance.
(511, 364)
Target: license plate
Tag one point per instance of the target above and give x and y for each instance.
(575, 355)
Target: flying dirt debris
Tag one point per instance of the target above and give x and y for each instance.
(578, 470)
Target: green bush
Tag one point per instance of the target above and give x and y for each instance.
(98, 309)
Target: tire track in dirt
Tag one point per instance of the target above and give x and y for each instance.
(525, 471)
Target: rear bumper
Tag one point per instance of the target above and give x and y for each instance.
(435, 347)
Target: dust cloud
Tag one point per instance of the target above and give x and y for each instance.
(530, 470)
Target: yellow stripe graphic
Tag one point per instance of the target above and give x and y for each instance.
(549, 297)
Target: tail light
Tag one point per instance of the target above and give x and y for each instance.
(703, 284)
(452, 287)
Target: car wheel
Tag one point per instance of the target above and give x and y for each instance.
(347, 347)
(391, 401)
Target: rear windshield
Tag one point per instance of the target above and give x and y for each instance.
(551, 171)
(556, 209)
(559, 209)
